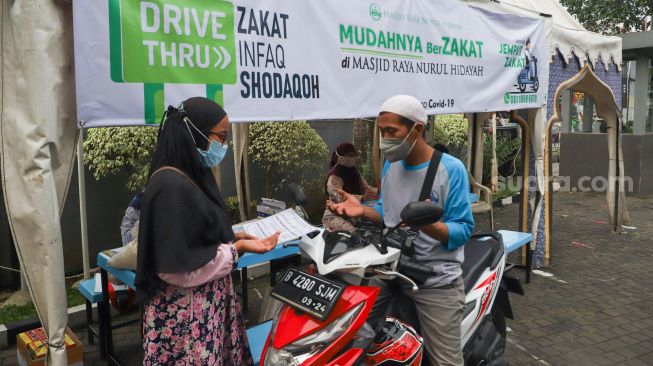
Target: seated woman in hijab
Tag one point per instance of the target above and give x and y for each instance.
(187, 248)
(344, 175)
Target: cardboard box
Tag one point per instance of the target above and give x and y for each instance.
(32, 347)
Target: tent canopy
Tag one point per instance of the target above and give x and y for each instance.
(568, 36)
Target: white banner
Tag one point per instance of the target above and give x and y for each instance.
(311, 59)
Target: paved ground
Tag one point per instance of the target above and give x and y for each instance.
(595, 309)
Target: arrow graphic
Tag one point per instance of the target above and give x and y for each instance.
(223, 58)
(219, 56)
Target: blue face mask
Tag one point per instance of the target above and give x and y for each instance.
(214, 154)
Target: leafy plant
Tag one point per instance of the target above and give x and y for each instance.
(628, 127)
(287, 151)
(507, 151)
(112, 150)
(13, 313)
(367, 171)
(234, 208)
(451, 131)
(507, 191)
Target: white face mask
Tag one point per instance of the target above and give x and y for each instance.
(397, 149)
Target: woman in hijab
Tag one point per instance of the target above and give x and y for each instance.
(186, 247)
(344, 175)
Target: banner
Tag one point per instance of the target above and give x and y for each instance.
(312, 59)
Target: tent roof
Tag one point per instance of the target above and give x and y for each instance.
(567, 35)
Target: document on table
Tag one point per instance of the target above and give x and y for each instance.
(287, 222)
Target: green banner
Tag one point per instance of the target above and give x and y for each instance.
(172, 41)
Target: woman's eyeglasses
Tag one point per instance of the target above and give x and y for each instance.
(223, 138)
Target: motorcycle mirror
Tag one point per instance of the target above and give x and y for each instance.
(297, 194)
(420, 213)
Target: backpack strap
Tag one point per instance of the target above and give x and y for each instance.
(430, 175)
(168, 167)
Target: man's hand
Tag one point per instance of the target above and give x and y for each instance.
(244, 236)
(437, 230)
(257, 245)
(350, 206)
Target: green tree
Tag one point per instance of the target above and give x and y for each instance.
(112, 150)
(451, 130)
(287, 151)
(611, 16)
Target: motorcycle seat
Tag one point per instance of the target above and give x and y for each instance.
(479, 255)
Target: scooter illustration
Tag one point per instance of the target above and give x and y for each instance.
(528, 75)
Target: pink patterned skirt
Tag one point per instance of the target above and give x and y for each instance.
(200, 325)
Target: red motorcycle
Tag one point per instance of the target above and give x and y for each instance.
(325, 319)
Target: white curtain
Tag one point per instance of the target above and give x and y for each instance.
(38, 133)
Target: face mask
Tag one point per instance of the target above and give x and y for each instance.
(396, 149)
(214, 154)
(347, 161)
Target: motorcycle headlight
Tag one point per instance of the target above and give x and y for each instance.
(303, 349)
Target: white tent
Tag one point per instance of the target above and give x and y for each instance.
(37, 134)
(567, 35)
(570, 39)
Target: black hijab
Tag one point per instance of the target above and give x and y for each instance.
(351, 177)
(183, 218)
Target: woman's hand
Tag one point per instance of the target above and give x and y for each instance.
(350, 206)
(244, 236)
(257, 245)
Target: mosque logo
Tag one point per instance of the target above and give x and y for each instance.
(375, 11)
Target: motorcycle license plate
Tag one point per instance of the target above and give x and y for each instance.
(312, 294)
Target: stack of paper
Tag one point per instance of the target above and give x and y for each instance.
(287, 222)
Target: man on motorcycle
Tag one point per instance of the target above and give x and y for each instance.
(529, 59)
(440, 299)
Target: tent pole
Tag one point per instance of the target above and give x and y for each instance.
(617, 194)
(82, 202)
(472, 161)
(377, 163)
(494, 176)
(23, 281)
